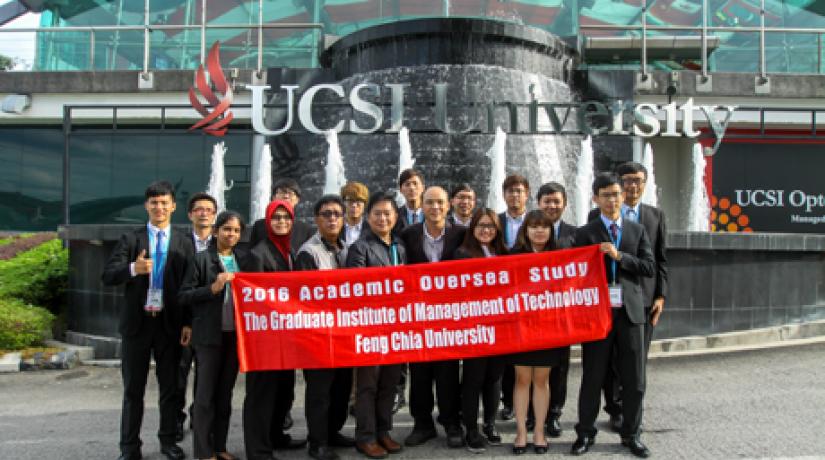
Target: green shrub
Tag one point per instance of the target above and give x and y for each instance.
(22, 325)
(38, 276)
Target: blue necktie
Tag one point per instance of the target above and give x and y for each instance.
(158, 258)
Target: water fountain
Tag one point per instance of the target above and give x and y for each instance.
(498, 160)
(334, 173)
(405, 159)
(261, 184)
(651, 192)
(582, 191)
(217, 177)
(698, 211)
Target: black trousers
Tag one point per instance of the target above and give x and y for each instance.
(187, 357)
(628, 338)
(508, 385)
(262, 406)
(445, 374)
(649, 329)
(152, 340)
(481, 377)
(375, 392)
(327, 397)
(558, 386)
(283, 405)
(612, 385)
(218, 370)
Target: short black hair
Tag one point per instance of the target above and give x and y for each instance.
(226, 216)
(160, 188)
(605, 179)
(202, 196)
(379, 197)
(408, 174)
(515, 179)
(631, 167)
(327, 199)
(462, 187)
(550, 188)
(287, 183)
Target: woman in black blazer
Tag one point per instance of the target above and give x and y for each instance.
(269, 394)
(208, 294)
(535, 235)
(481, 376)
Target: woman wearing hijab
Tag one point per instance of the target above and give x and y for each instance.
(206, 290)
(267, 390)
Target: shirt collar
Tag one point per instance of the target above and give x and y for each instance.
(202, 240)
(155, 230)
(635, 209)
(436, 239)
(518, 219)
(607, 222)
(358, 225)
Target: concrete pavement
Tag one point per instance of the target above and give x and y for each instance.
(750, 404)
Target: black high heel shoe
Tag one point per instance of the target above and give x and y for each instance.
(539, 449)
(519, 450)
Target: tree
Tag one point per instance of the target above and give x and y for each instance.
(6, 63)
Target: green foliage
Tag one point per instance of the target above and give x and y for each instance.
(38, 276)
(22, 325)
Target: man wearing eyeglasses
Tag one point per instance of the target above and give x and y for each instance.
(327, 390)
(202, 210)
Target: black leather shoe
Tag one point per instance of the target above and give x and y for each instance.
(553, 427)
(455, 437)
(492, 434)
(636, 447)
(130, 456)
(323, 453)
(172, 452)
(418, 437)
(582, 445)
(289, 443)
(507, 413)
(616, 422)
(340, 440)
(288, 422)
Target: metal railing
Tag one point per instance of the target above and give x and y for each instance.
(148, 28)
(703, 32)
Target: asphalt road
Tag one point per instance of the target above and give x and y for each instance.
(752, 404)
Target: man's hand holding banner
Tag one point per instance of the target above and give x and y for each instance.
(426, 312)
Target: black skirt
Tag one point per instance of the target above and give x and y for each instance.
(548, 357)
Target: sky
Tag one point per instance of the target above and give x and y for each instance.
(20, 45)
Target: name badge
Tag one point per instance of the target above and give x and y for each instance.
(615, 296)
(154, 300)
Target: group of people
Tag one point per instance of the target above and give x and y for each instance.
(179, 309)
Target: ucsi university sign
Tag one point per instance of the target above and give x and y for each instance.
(594, 118)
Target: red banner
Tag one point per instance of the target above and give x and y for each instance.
(427, 312)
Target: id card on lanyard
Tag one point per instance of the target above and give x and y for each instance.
(615, 289)
(154, 296)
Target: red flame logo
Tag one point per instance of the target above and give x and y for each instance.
(216, 121)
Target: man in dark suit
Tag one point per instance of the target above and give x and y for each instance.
(411, 185)
(201, 212)
(628, 258)
(433, 241)
(151, 262)
(634, 178)
(288, 190)
(552, 199)
(516, 189)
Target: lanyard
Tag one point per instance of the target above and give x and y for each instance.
(159, 259)
(616, 243)
(394, 253)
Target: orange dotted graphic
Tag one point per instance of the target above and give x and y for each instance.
(728, 217)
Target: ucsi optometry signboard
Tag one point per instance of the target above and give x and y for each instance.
(769, 186)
